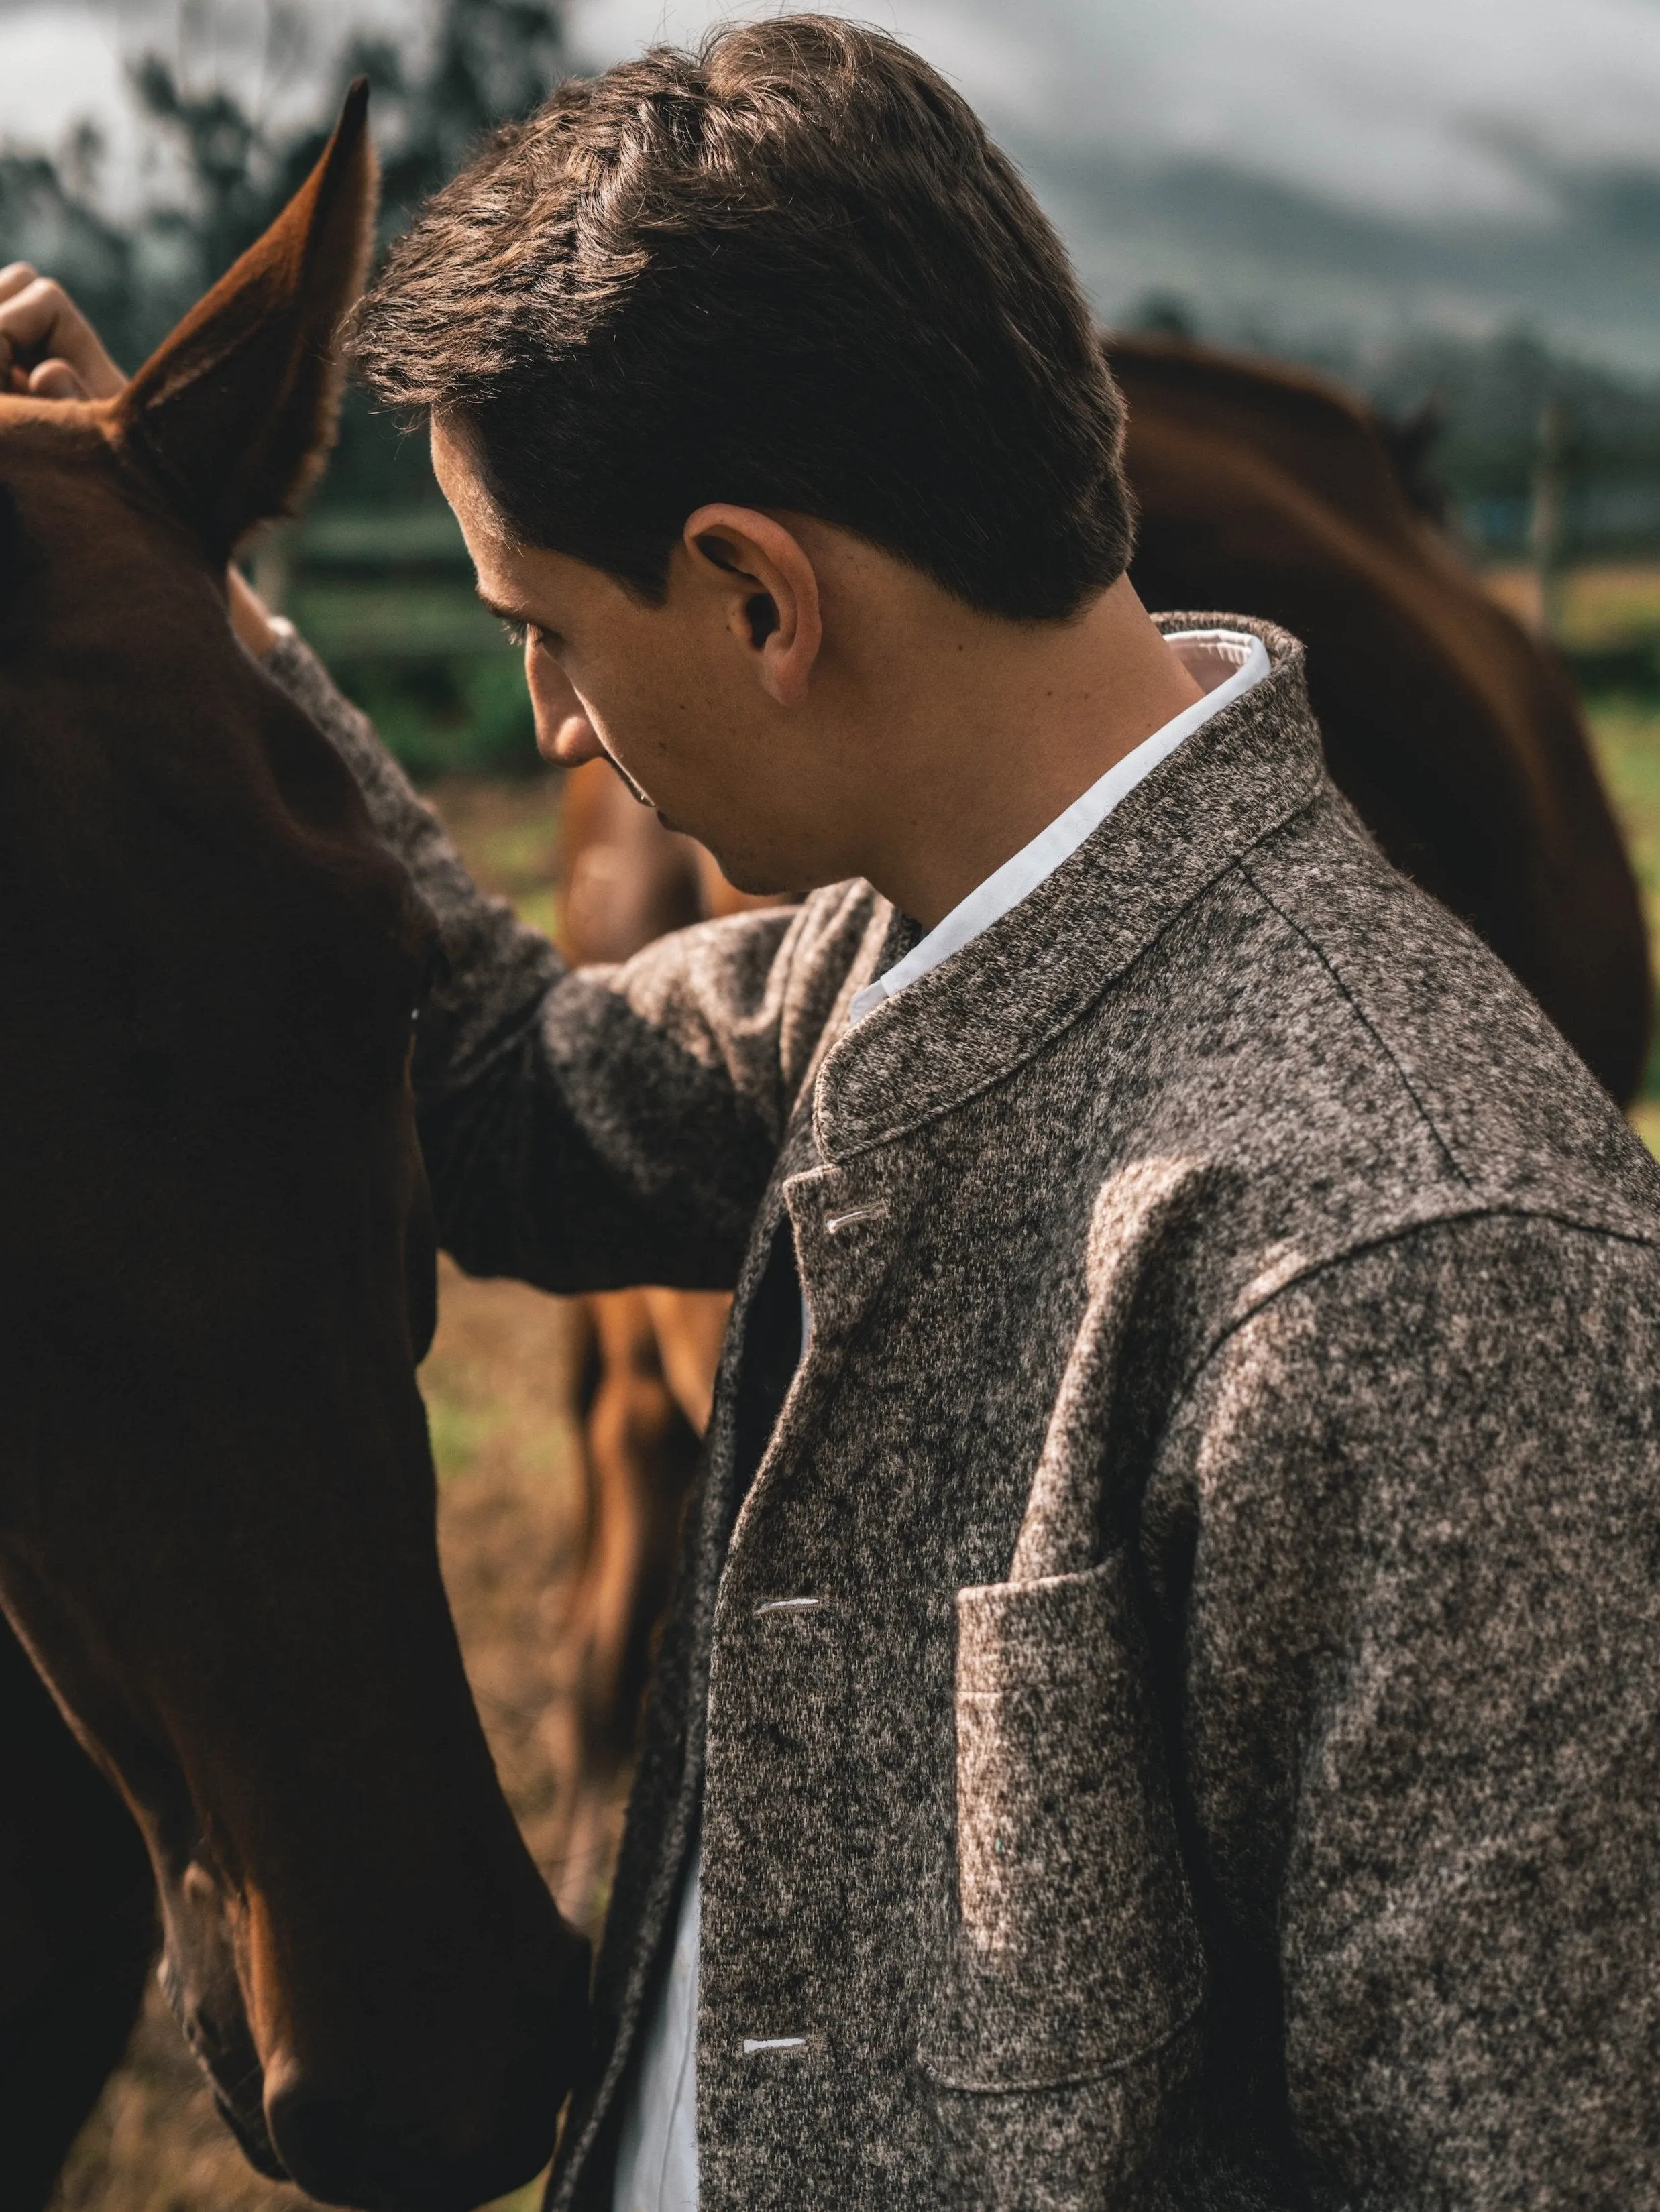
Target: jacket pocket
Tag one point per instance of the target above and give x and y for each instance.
(1066, 2012)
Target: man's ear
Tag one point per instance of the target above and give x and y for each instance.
(771, 588)
(236, 410)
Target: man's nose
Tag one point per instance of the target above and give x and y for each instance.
(567, 741)
(564, 734)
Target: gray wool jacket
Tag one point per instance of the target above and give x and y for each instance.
(1222, 1768)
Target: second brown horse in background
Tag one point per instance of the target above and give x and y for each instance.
(1265, 491)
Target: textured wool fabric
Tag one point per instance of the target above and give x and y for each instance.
(1222, 1771)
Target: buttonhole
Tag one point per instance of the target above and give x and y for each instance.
(835, 1223)
(756, 2047)
(788, 1605)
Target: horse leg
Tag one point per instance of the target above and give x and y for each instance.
(77, 1933)
(644, 1453)
(691, 1328)
(641, 1453)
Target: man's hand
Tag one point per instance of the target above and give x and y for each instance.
(47, 347)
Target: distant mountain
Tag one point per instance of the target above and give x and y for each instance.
(1483, 325)
(1297, 271)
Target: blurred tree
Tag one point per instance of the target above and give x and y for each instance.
(1161, 314)
(483, 61)
(50, 216)
(221, 147)
(490, 60)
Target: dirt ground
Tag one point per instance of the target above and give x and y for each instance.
(500, 1389)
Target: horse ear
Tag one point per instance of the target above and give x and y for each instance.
(237, 410)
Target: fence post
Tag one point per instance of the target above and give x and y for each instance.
(1547, 519)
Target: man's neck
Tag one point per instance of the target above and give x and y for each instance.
(996, 729)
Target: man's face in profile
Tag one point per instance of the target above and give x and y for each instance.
(653, 688)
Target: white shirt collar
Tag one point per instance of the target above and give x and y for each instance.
(1227, 662)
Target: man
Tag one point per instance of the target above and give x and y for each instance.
(1160, 1705)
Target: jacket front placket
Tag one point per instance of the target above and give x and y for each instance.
(779, 1715)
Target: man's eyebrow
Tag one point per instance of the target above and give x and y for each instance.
(514, 616)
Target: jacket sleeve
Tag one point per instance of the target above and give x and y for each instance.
(582, 1128)
(1411, 1528)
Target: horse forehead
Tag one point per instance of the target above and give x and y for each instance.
(56, 419)
(122, 622)
(40, 437)
(74, 509)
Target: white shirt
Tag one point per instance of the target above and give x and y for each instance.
(657, 2156)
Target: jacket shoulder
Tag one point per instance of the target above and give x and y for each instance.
(1514, 1113)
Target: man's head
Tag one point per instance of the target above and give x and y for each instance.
(788, 271)
(783, 290)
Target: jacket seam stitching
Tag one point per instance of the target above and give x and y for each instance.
(1359, 1013)
(1382, 1242)
(1139, 2057)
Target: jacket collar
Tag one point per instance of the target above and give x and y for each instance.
(992, 1006)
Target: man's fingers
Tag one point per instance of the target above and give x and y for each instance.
(55, 379)
(40, 324)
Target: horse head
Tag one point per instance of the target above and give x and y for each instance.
(216, 1497)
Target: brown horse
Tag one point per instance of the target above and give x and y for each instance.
(217, 1534)
(1268, 490)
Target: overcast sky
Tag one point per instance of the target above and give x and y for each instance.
(1430, 160)
(1416, 107)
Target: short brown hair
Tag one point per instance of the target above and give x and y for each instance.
(788, 270)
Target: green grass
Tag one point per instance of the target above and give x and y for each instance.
(509, 834)
(1611, 606)
(462, 1417)
(527, 2199)
(1602, 607)
(1626, 733)
(467, 1421)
